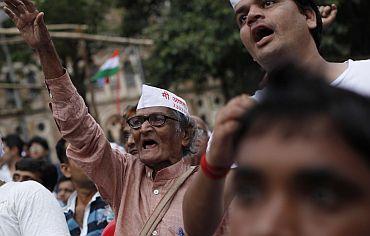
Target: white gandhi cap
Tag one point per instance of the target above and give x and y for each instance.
(234, 3)
(157, 97)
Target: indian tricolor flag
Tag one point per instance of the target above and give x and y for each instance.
(109, 68)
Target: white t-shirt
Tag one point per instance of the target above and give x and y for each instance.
(355, 78)
(29, 209)
(5, 174)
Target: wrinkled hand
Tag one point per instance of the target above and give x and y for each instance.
(29, 22)
(328, 14)
(228, 121)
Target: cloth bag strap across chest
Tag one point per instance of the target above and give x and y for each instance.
(164, 204)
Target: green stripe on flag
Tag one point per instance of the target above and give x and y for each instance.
(105, 73)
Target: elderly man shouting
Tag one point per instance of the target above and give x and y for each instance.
(146, 193)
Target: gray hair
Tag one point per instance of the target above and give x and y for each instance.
(186, 124)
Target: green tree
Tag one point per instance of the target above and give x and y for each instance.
(87, 12)
(139, 15)
(195, 39)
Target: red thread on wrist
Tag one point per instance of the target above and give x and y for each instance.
(212, 172)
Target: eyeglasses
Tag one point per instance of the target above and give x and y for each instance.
(154, 119)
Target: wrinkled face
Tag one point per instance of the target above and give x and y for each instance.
(273, 32)
(22, 175)
(65, 189)
(300, 186)
(159, 144)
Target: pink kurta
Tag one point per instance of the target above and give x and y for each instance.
(123, 180)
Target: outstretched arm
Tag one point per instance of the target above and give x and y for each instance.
(89, 147)
(30, 23)
(207, 199)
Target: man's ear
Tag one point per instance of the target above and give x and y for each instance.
(65, 170)
(310, 18)
(187, 135)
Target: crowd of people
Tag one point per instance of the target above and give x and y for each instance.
(291, 160)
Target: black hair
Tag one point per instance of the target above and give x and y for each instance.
(13, 140)
(316, 32)
(62, 179)
(295, 99)
(60, 148)
(129, 111)
(47, 172)
(37, 139)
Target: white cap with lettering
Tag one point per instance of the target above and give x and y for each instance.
(157, 97)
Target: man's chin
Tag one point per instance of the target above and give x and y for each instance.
(148, 159)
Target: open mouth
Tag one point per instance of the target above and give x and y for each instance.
(261, 32)
(149, 144)
(133, 151)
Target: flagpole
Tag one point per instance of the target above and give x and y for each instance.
(90, 84)
(118, 88)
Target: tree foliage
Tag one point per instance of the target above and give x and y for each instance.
(196, 39)
(349, 35)
(88, 12)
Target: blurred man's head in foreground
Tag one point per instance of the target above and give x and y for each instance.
(303, 158)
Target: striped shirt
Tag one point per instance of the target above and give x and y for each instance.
(97, 216)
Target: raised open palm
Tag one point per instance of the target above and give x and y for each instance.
(29, 21)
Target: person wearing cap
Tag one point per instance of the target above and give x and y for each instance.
(145, 192)
(276, 34)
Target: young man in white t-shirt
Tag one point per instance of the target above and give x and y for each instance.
(27, 208)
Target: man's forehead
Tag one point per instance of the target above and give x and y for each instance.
(240, 5)
(237, 4)
(150, 110)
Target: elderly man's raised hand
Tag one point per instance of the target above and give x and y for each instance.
(228, 121)
(29, 21)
